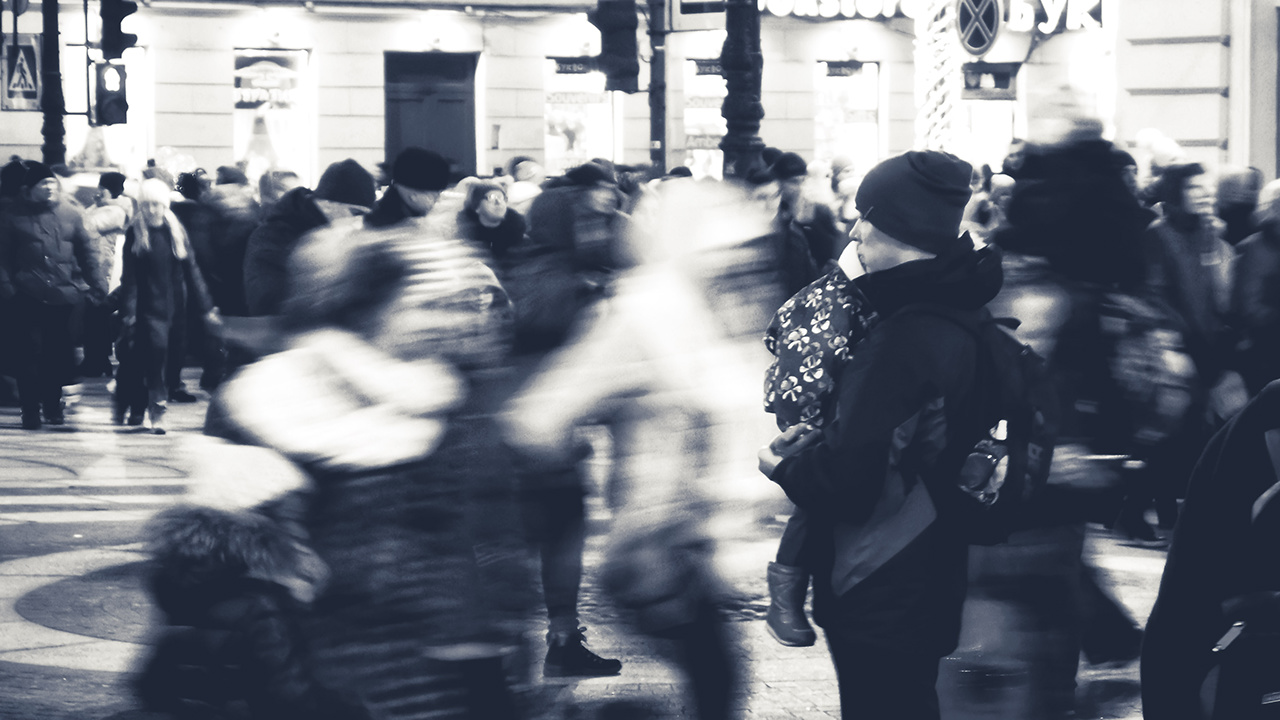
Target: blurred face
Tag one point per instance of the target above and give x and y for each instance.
(1198, 195)
(493, 207)
(45, 191)
(602, 199)
(101, 196)
(153, 212)
(465, 327)
(419, 202)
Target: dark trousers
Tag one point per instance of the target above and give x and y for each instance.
(98, 321)
(704, 652)
(177, 346)
(556, 517)
(791, 546)
(43, 353)
(876, 684)
(142, 375)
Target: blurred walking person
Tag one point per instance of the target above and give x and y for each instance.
(384, 394)
(106, 222)
(1255, 299)
(47, 269)
(680, 395)
(159, 276)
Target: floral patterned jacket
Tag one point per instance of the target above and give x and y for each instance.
(811, 337)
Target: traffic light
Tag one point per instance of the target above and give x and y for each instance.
(110, 106)
(114, 41)
(619, 55)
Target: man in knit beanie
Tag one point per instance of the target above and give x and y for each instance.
(889, 592)
(418, 177)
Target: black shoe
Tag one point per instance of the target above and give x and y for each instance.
(181, 396)
(568, 657)
(135, 418)
(31, 421)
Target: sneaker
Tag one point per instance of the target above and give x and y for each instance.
(182, 396)
(569, 657)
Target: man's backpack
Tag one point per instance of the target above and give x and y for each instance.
(1001, 481)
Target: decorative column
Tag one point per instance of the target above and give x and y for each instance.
(743, 66)
(938, 76)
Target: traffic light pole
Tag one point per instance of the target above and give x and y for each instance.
(658, 86)
(52, 103)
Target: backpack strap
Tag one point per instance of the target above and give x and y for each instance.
(1273, 449)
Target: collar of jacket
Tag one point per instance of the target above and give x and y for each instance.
(967, 280)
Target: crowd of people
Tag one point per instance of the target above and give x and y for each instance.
(403, 369)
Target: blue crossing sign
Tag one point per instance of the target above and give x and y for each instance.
(21, 73)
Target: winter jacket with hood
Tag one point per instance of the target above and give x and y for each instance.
(889, 571)
(46, 254)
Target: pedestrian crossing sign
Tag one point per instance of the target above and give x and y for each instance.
(21, 79)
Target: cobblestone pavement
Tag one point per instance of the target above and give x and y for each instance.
(74, 618)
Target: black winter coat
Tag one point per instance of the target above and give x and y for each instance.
(886, 571)
(1217, 553)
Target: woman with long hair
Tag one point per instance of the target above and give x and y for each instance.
(159, 272)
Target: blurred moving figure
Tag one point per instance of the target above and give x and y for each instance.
(1222, 570)
(106, 222)
(1192, 271)
(385, 395)
(158, 277)
(233, 576)
(1255, 299)
(345, 190)
(47, 269)
(680, 394)
(1236, 201)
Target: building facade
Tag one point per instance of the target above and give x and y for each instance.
(300, 85)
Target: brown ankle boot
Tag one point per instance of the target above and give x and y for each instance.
(786, 620)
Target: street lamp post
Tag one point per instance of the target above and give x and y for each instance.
(52, 103)
(743, 67)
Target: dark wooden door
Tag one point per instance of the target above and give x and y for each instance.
(431, 103)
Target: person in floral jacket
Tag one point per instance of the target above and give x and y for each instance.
(811, 337)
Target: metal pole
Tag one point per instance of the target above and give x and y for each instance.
(52, 102)
(658, 85)
(743, 67)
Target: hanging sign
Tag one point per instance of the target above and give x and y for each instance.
(21, 76)
(978, 23)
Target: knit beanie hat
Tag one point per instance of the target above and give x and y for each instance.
(112, 182)
(789, 165)
(36, 171)
(347, 182)
(917, 198)
(420, 169)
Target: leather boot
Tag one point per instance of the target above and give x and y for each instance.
(786, 620)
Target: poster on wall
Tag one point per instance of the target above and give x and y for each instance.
(579, 114)
(704, 126)
(21, 78)
(847, 117)
(273, 118)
